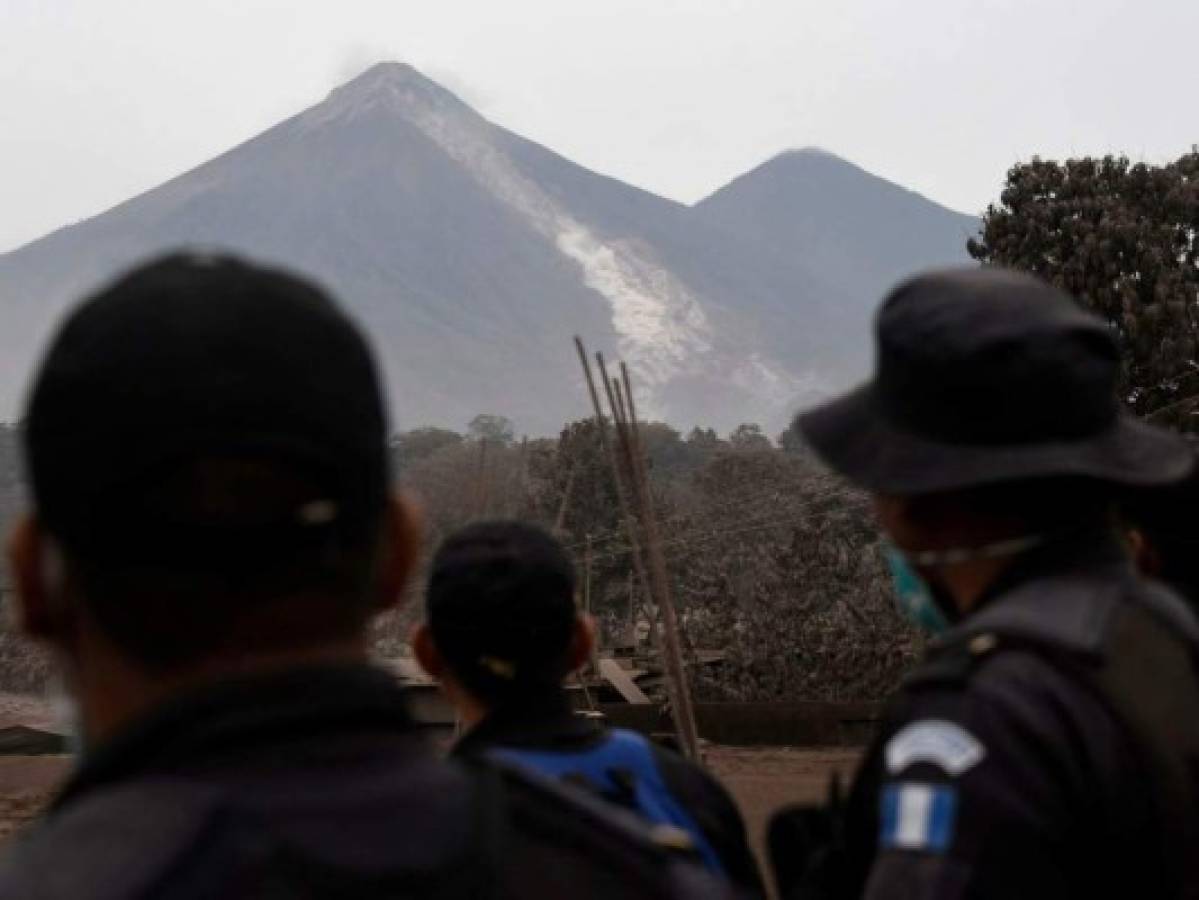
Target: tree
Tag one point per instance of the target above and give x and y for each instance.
(1124, 239)
(421, 443)
(705, 439)
(668, 453)
(493, 428)
(581, 486)
(791, 441)
(749, 436)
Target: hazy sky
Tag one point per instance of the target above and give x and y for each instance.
(102, 99)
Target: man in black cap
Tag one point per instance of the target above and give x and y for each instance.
(1048, 745)
(212, 531)
(502, 633)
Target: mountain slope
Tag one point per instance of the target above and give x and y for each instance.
(842, 222)
(448, 277)
(473, 255)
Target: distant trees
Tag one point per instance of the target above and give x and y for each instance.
(410, 446)
(489, 427)
(749, 436)
(773, 561)
(1124, 238)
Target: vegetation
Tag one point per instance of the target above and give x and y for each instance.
(1124, 238)
(774, 562)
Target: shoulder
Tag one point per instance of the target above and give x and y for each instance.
(1002, 736)
(123, 842)
(559, 838)
(1030, 706)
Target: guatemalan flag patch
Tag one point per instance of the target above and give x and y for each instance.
(918, 817)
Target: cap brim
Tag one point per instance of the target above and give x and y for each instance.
(853, 437)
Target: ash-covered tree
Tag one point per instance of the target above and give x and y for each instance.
(749, 436)
(704, 440)
(1124, 238)
(492, 428)
(409, 447)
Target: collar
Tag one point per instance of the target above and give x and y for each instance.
(1066, 593)
(230, 719)
(543, 721)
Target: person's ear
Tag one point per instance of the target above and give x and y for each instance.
(582, 642)
(424, 648)
(37, 573)
(402, 536)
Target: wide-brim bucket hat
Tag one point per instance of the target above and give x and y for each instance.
(984, 376)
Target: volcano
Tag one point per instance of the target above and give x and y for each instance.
(472, 255)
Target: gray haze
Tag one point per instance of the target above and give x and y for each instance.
(103, 100)
(474, 255)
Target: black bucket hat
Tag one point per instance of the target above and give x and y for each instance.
(985, 376)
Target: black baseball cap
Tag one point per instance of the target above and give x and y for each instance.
(500, 605)
(198, 356)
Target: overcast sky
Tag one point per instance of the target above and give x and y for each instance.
(102, 100)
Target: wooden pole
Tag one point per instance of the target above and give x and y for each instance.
(587, 565)
(632, 616)
(515, 504)
(659, 579)
(609, 450)
(560, 519)
(481, 481)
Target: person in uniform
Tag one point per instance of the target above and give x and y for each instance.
(502, 632)
(212, 530)
(1163, 529)
(1048, 744)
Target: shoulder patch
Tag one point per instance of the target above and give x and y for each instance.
(918, 817)
(942, 743)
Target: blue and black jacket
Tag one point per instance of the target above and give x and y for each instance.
(543, 734)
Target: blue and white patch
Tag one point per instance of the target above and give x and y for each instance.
(944, 744)
(918, 817)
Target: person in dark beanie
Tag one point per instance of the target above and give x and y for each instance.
(502, 633)
(212, 529)
(1048, 744)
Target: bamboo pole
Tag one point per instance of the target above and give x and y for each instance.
(672, 654)
(560, 519)
(481, 498)
(587, 566)
(609, 450)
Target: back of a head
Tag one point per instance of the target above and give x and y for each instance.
(500, 606)
(206, 443)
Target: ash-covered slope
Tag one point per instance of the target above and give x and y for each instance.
(468, 304)
(473, 255)
(839, 222)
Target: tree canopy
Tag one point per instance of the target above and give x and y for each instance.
(490, 427)
(1124, 239)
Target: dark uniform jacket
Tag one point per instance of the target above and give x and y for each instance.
(314, 784)
(1047, 748)
(547, 723)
